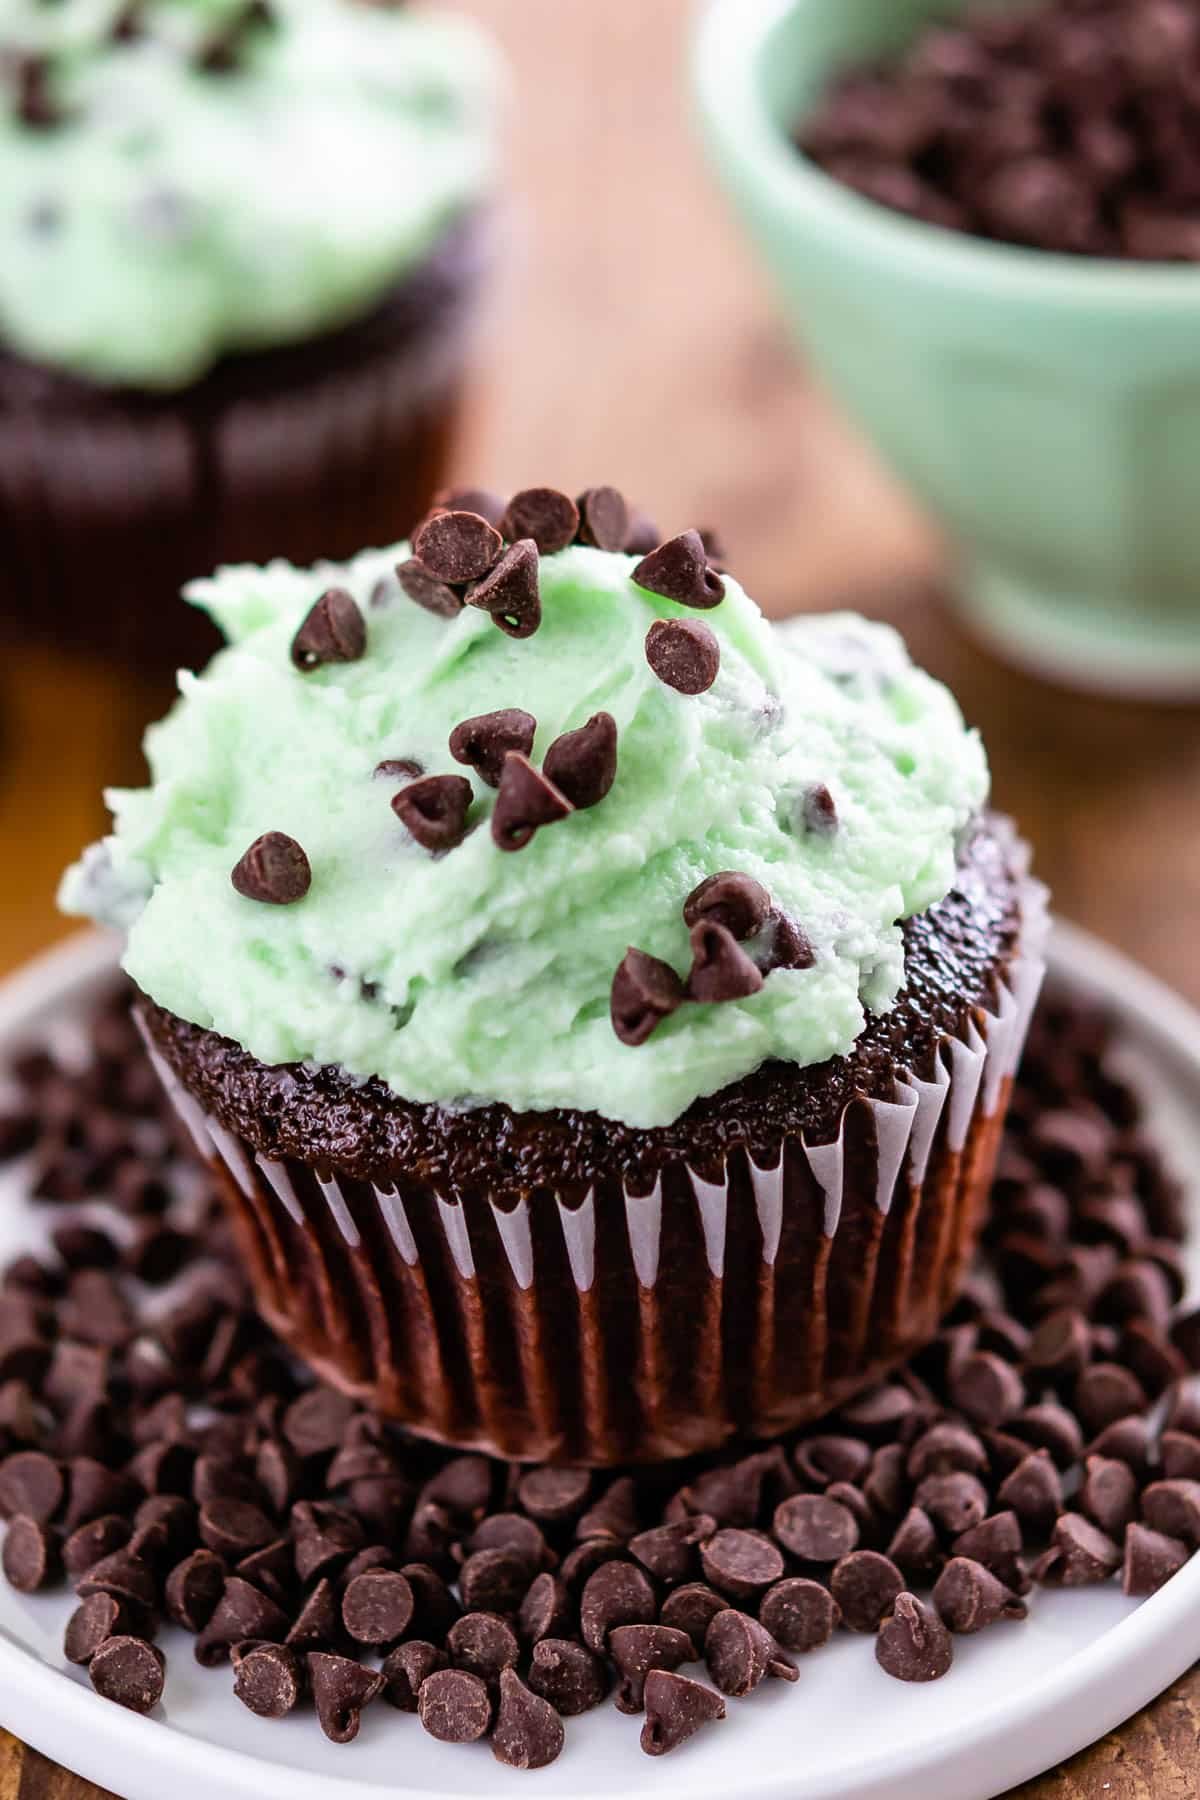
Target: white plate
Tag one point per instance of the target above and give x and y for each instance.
(1019, 1699)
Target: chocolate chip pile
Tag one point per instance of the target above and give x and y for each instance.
(160, 1453)
(1069, 126)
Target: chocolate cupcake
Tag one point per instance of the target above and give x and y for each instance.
(599, 1004)
(242, 252)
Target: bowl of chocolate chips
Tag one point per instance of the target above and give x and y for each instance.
(984, 222)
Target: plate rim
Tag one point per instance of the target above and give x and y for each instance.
(1130, 1664)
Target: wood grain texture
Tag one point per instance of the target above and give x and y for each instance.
(633, 341)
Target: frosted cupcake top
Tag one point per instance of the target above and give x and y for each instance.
(598, 838)
(187, 178)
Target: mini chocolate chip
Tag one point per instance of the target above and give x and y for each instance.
(571, 1677)
(636, 1649)
(987, 1389)
(30, 1483)
(721, 969)
(954, 1502)
(968, 1597)
(737, 902)
(484, 1643)
(1151, 1558)
(815, 1528)
(457, 547)
(914, 1547)
(1080, 1555)
(268, 1681)
(1109, 1495)
(494, 1581)
(741, 1563)
(740, 1652)
(426, 591)
(864, 1584)
(678, 570)
(996, 1543)
(801, 1615)
(341, 1689)
(1173, 1507)
(454, 1706)
(400, 768)
(234, 1527)
(549, 518)
(405, 1668)
(89, 1543)
(526, 801)
(334, 631)
(121, 1574)
(434, 809)
(913, 1644)
(645, 991)
(274, 870)
(242, 1612)
(29, 1557)
(582, 764)
(1128, 1440)
(669, 1551)
(1050, 1427)
(603, 518)
(554, 1495)
(98, 1617)
(618, 1593)
(1106, 1392)
(482, 743)
(1180, 1453)
(528, 1732)
(377, 1607)
(434, 1607)
(510, 594)
(483, 501)
(193, 1589)
(546, 1609)
(129, 1671)
(684, 654)
(1061, 1345)
(515, 1533)
(1033, 1490)
(818, 812)
(317, 1625)
(676, 1708)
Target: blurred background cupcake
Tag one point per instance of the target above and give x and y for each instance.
(244, 242)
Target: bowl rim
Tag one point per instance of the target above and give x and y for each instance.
(728, 41)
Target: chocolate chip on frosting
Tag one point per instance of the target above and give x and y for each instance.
(457, 547)
(603, 518)
(489, 506)
(643, 535)
(684, 654)
(678, 570)
(36, 106)
(526, 801)
(405, 768)
(736, 901)
(274, 870)
(482, 743)
(223, 51)
(544, 514)
(510, 592)
(333, 632)
(435, 810)
(582, 764)
(818, 811)
(721, 970)
(427, 591)
(785, 945)
(644, 992)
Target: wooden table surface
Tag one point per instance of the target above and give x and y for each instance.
(634, 342)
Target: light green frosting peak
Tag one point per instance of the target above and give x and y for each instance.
(174, 215)
(480, 975)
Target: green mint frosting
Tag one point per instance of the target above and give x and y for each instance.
(479, 975)
(167, 215)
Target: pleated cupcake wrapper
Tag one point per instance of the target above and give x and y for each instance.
(109, 505)
(629, 1326)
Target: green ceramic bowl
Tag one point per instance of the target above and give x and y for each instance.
(1045, 408)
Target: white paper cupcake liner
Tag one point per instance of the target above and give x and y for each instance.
(628, 1326)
